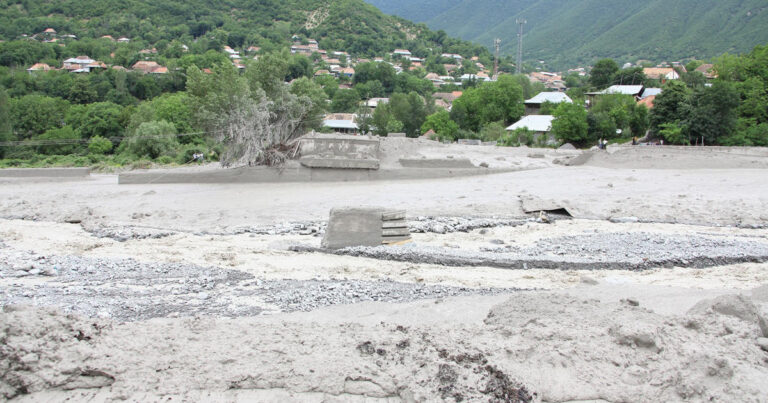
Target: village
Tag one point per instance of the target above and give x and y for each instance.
(459, 71)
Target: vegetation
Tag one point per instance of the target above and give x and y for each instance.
(582, 31)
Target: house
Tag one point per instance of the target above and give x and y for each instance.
(540, 125)
(77, 63)
(347, 72)
(253, 49)
(39, 67)
(301, 49)
(147, 67)
(533, 105)
(373, 103)
(123, 40)
(322, 73)
(448, 97)
(439, 103)
(108, 37)
(451, 56)
(402, 52)
(650, 92)
(661, 73)
(341, 122)
(708, 70)
(634, 90)
(647, 101)
(477, 77)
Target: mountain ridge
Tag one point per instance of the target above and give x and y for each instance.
(567, 32)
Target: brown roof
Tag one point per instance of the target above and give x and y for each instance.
(146, 66)
(647, 101)
(40, 67)
(707, 69)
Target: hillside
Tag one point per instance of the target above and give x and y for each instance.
(348, 25)
(566, 32)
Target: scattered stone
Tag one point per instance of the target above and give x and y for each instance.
(588, 280)
(762, 342)
(735, 305)
(631, 301)
(566, 146)
(624, 220)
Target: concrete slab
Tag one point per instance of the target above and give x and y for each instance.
(45, 172)
(436, 163)
(339, 163)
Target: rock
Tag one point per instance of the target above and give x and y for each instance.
(34, 272)
(760, 293)
(484, 164)
(496, 241)
(631, 301)
(622, 220)
(762, 321)
(535, 155)
(762, 342)
(735, 305)
(588, 280)
(566, 146)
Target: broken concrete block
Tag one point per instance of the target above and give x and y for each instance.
(365, 226)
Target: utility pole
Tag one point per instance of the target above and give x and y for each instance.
(520, 22)
(496, 45)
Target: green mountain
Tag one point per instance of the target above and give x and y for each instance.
(348, 25)
(566, 32)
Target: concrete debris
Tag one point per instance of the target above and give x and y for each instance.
(365, 227)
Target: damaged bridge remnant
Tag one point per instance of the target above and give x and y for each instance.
(365, 226)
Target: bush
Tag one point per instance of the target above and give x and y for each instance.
(99, 145)
(520, 136)
(153, 139)
(185, 155)
(63, 134)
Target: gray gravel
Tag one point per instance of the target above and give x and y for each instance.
(127, 290)
(625, 251)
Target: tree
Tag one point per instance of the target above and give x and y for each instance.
(602, 73)
(713, 112)
(630, 76)
(670, 106)
(101, 118)
(35, 114)
(500, 101)
(570, 124)
(305, 87)
(65, 134)
(638, 120)
(99, 145)
(345, 101)
(6, 130)
(152, 139)
(440, 122)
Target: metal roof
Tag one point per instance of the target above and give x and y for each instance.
(536, 123)
(339, 124)
(554, 97)
(623, 89)
(651, 91)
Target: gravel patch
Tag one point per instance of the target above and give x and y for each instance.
(128, 290)
(615, 251)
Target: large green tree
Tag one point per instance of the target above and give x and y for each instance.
(713, 112)
(602, 73)
(570, 125)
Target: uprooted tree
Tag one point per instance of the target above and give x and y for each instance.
(256, 129)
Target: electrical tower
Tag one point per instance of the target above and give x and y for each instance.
(520, 22)
(496, 45)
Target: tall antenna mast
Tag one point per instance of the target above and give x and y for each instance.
(520, 22)
(496, 44)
